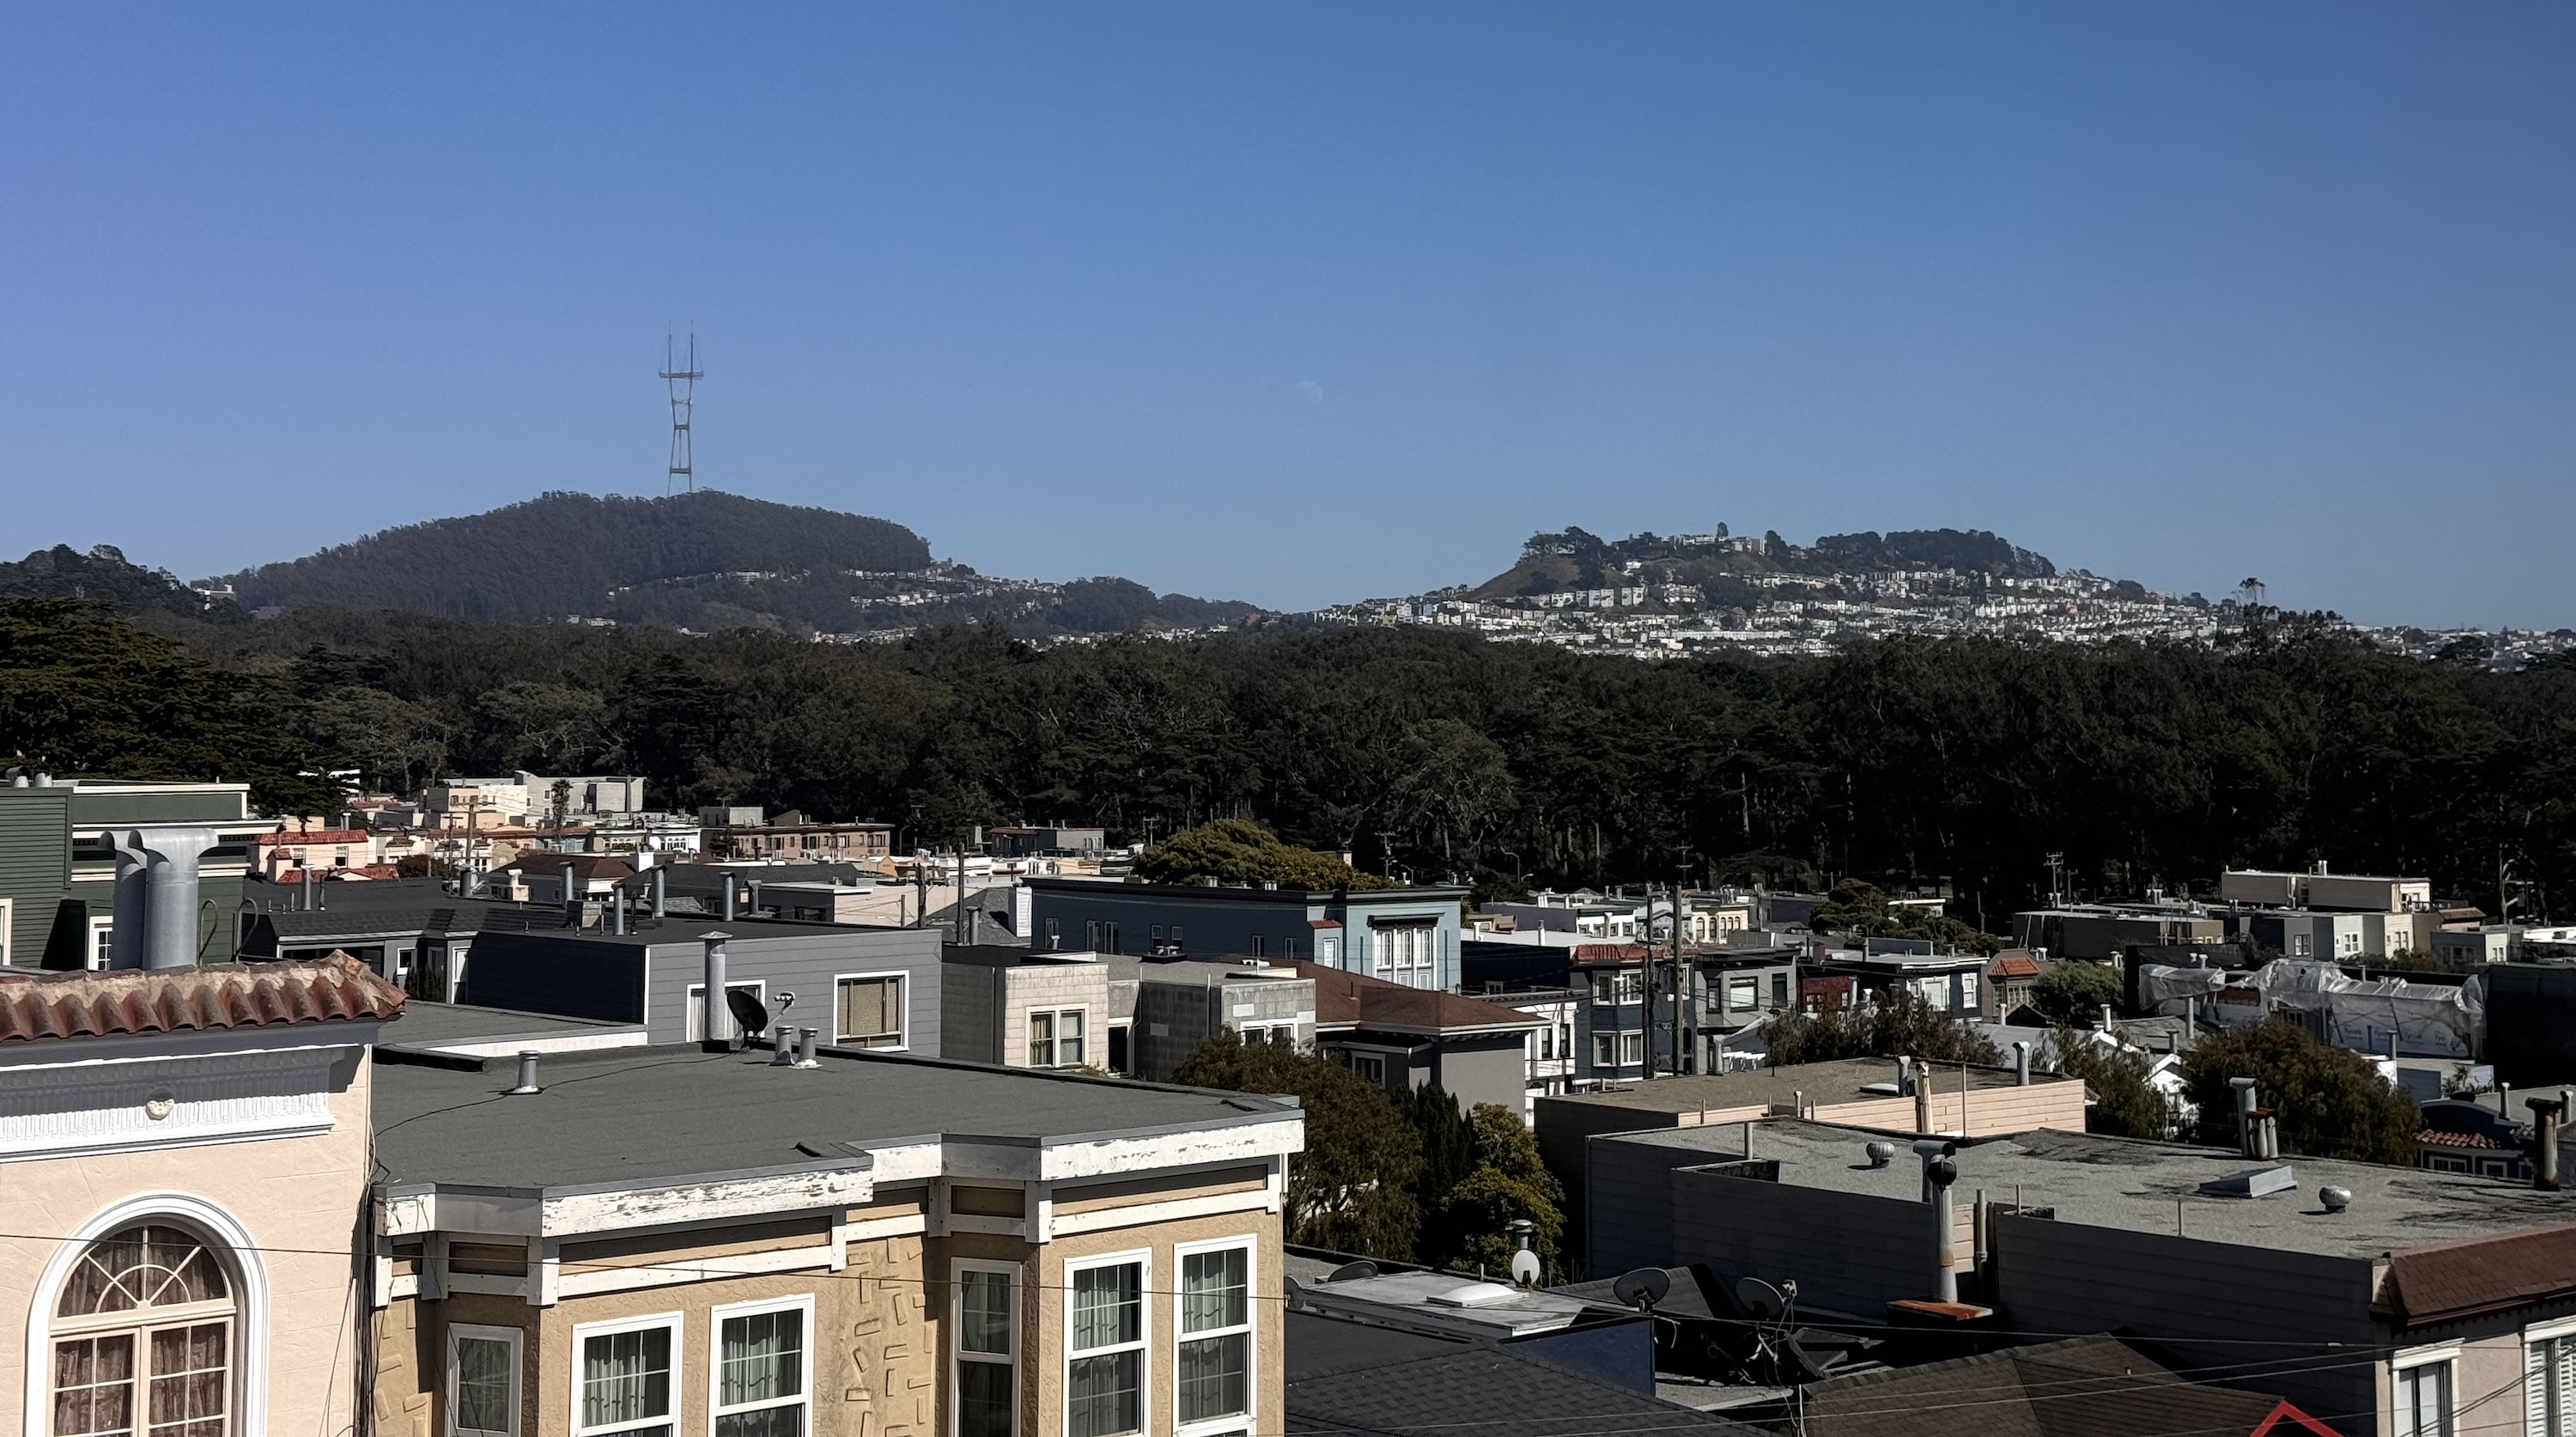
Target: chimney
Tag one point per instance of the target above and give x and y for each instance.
(755, 898)
(527, 1075)
(805, 1048)
(661, 888)
(782, 1046)
(310, 878)
(715, 1024)
(172, 884)
(2247, 1141)
(129, 941)
(2106, 1017)
(2545, 1114)
(1922, 1096)
(1939, 1171)
(2021, 1062)
(727, 913)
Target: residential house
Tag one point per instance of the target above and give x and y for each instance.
(875, 988)
(524, 797)
(1161, 1010)
(1404, 935)
(1949, 982)
(2104, 931)
(184, 1169)
(862, 1245)
(2395, 1301)
(1405, 1037)
(558, 878)
(1727, 990)
(1051, 841)
(2077, 1385)
(64, 843)
(737, 834)
(1573, 1131)
(1007, 1006)
(2006, 983)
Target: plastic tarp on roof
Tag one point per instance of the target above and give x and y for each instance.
(2427, 1019)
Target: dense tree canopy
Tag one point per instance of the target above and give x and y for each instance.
(1352, 1188)
(2329, 1102)
(1437, 754)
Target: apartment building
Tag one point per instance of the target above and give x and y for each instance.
(183, 1188)
(862, 1245)
(66, 845)
(1403, 935)
(1010, 1007)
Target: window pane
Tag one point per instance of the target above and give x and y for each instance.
(1103, 1396)
(871, 1012)
(1213, 1289)
(483, 1383)
(984, 1305)
(1068, 1048)
(1108, 1306)
(984, 1399)
(1041, 1040)
(782, 1421)
(626, 1377)
(94, 1386)
(189, 1379)
(763, 1358)
(1212, 1377)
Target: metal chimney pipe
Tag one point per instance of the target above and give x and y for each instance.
(715, 1022)
(2106, 1018)
(1904, 1076)
(782, 1046)
(617, 909)
(755, 898)
(129, 937)
(1939, 1171)
(2544, 1116)
(2021, 1062)
(2246, 1142)
(1922, 1096)
(661, 888)
(727, 906)
(805, 1047)
(527, 1075)
(310, 878)
(173, 887)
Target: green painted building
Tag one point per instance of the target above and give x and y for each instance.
(58, 876)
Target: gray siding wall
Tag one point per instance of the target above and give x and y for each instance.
(1847, 1252)
(35, 865)
(1483, 1068)
(1171, 1019)
(970, 1012)
(1561, 1125)
(1631, 1187)
(2070, 1277)
(1219, 925)
(804, 964)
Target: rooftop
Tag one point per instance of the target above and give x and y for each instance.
(1849, 1080)
(2076, 1388)
(2134, 1184)
(1355, 999)
(175, 1000)
(639, 1115)
(461, 1029)
(1347, 1378)
(1448, 1302)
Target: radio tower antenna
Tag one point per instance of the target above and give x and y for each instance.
(681, 378)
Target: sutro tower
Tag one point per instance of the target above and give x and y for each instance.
(682, 379)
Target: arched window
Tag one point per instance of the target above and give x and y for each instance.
(143, 1338)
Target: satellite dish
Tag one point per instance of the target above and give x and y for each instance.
(749, 1013)
(1642, 1288)
(1761, 1298)
(1525, 1268)
(1353, 1271)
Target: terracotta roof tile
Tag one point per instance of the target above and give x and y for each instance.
(1609, 952)
(2013, 965)
(1343, 998)
(2436, 1137)
(176, 1000)
(2428, 1285)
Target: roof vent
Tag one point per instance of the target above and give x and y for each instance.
(1474, 1294)
(1880, 1153)
(527, 1075)
(2335, 1199)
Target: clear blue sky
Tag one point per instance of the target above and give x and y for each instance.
(1298, 303)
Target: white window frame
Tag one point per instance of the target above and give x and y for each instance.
(582, 1332)
(1605, 1041)
(1143, 1346)
(803, 1304)
(957, 1356)
(1242, 1421)
(516, 1338)
(903, 1007)
(2556, 1383)
(2446, 1357)
(1632, 1048)
(102, 937)
(1055, 1034)
(9, 926)
(695, 1016)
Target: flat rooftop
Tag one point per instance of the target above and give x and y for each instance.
(461, 1029)
(2133, 1184)
(639, 1115)
(1826, 1083)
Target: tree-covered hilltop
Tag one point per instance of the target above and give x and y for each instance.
(104, 573)
(1430, 753)
(704, 562)
(1720, 563)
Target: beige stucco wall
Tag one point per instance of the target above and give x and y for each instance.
(303, 1202)
(879, 1349)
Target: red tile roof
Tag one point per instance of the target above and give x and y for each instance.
(1609, 952)
(2457, 1280)
(176, 1000)
(1352, 999)
(318, 835)
(2440, 1139)
(2013, 965)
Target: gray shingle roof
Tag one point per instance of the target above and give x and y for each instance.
(1406, 1388)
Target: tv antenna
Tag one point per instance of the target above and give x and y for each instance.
(681, 378)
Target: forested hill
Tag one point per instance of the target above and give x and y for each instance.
(704, 563)
(563, 554)
(1575, 559)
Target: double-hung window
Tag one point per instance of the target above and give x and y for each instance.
(1212, 1358)
(1056, 1039)
(1105, 1336)
(760, 1369)
(625, 1377)
(2549, 1381)
(2423, 1397)
(482, 1381)
(867, 1012)
(988, 1391)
